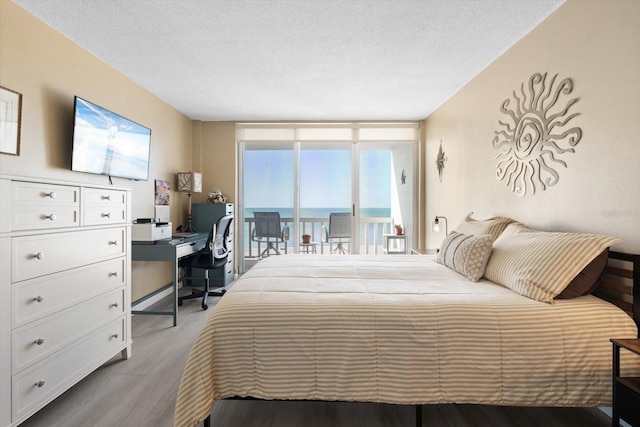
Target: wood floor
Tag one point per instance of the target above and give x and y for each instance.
(141, 392)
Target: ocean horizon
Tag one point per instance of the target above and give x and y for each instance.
(321, 212)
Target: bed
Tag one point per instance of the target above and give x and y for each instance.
(400, 329)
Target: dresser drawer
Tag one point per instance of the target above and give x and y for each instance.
(36, 298)
(184, 250)
(35, 256)
(32, 193)
(45, 380)
(38, 206)
(37, 340)
(28, 218)
(105, 215)
(104, 197)
(102, 206)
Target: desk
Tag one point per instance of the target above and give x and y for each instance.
(167, 250)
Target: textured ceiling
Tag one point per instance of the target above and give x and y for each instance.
(245, 60)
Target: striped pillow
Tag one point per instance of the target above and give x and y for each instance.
(493, 226)
(539, 264)
(468, 255)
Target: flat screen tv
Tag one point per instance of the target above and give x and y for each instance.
(106, 143)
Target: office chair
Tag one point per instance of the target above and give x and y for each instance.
(269, 230)
(339, 231)
(213, 255)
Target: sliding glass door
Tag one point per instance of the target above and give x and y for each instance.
(305, 172)
(268, 175)
(325, 187)
(387, 195)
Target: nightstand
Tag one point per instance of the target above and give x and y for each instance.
(395, 243)
(626, 390)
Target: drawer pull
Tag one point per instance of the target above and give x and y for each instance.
(39, 298)
(106, 197)
(106, 215)
(39, 255)
(51, 194)
(39, 383)
(113, 242)
(115, 304)
(52, 217)
(39, 341)
(114, 336)
(114, 274)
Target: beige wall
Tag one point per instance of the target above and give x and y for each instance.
(217, 150)
(48, 69)
(595, 43)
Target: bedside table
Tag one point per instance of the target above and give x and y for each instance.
(395, 243)
(626, 390)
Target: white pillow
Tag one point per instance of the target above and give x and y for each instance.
(493, 226)
(539, 264)
(466, 254)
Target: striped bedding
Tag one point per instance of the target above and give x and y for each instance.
(396, 329)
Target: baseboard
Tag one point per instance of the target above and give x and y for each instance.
(154, 297)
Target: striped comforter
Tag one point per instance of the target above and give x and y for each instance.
(396, 329)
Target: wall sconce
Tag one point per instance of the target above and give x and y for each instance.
(436, 225)
(189, 182)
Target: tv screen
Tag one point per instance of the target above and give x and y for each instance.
(106, 143)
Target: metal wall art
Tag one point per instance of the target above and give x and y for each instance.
(535, 135)
(440, 161)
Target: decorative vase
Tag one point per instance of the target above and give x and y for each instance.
(399, 231)
(306, 238)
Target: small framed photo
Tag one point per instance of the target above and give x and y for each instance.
(163, 192)
(10, 115)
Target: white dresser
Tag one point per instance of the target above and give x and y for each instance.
(65, 288)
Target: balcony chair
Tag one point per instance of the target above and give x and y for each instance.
(212, 256)
(269, 230)
(339, 232)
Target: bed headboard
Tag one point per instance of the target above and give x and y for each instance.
(621, 283)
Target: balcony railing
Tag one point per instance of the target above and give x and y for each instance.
(371, 231)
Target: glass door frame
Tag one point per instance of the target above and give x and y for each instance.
(296, 144)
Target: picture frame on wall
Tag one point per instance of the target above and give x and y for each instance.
(163, 192)
(10, 121)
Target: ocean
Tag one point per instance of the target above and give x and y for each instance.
(320, 212)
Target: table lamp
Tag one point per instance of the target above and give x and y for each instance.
(189, 182)
(436, 225)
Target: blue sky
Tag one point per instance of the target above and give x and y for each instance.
(325, 178)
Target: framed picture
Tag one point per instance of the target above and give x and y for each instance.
(163, 193)
(10, 114)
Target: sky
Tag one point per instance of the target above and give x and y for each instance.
(325, 178)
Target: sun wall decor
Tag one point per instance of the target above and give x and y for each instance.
(535, 134)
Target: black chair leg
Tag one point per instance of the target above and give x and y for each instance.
(205, 295)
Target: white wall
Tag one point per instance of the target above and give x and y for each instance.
(595, 43)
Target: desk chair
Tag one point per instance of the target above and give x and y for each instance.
(339, 232)
(269, 230)
(213, 255)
